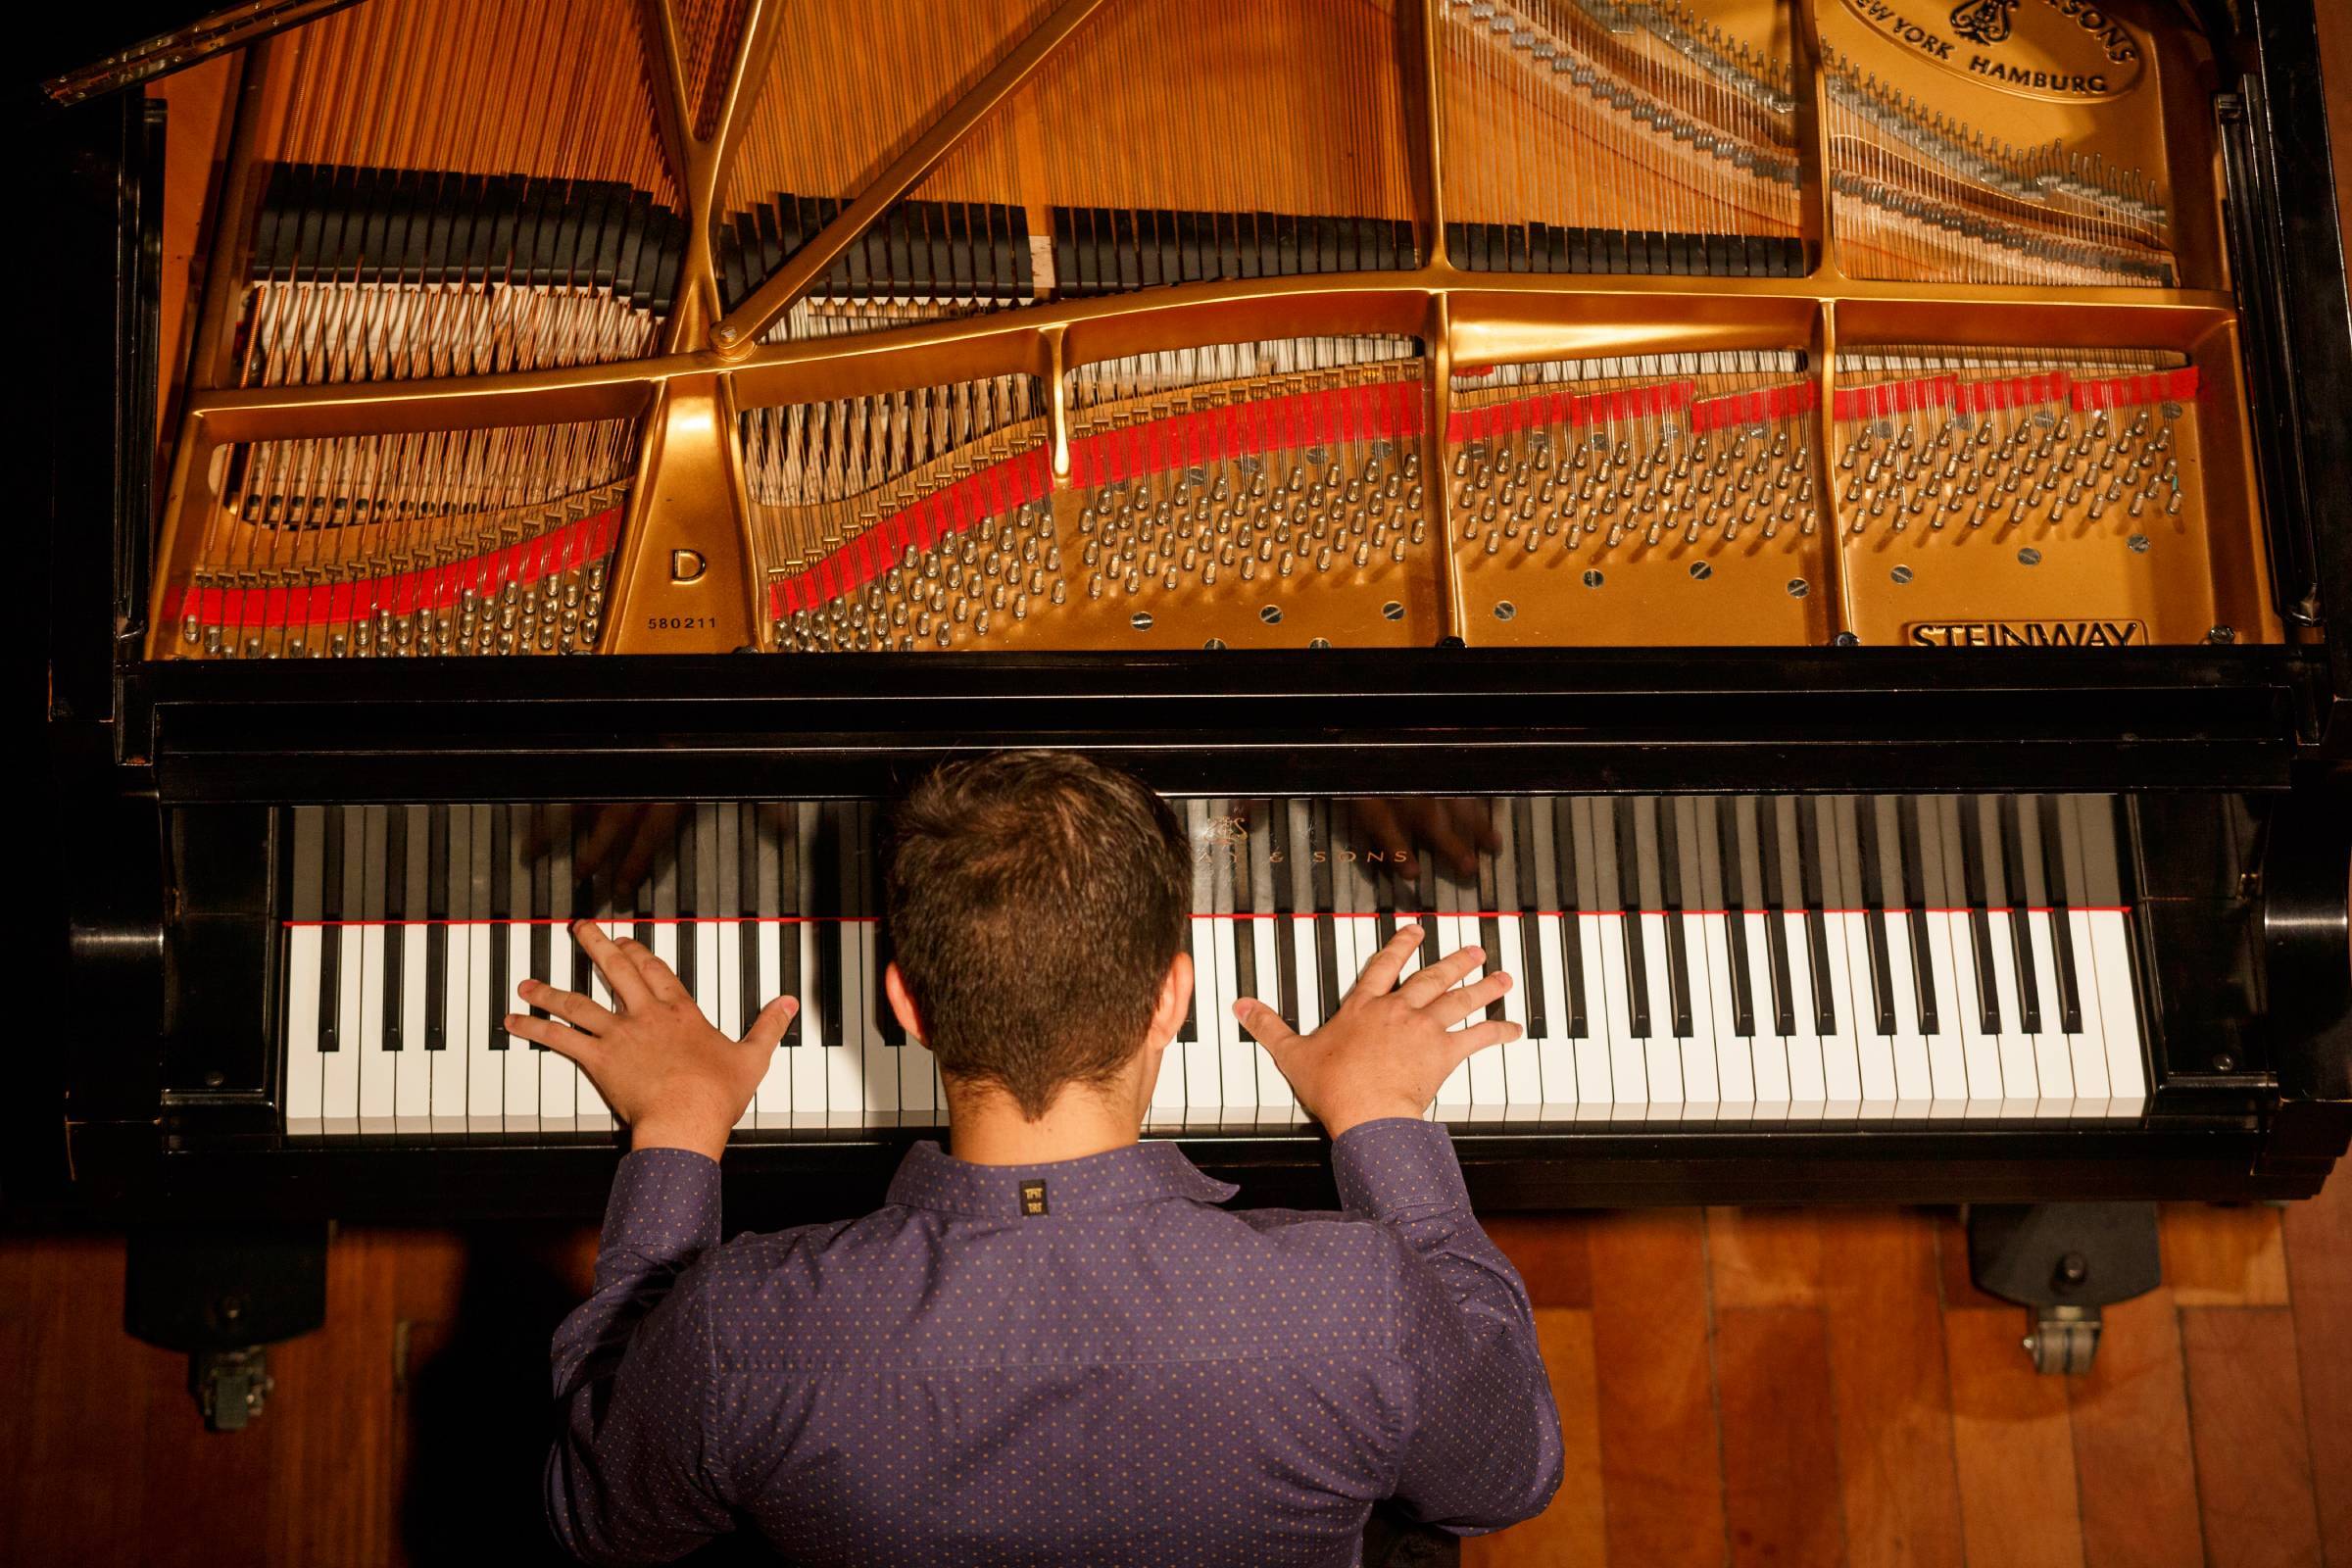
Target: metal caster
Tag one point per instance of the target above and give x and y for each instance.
(2064, 1261)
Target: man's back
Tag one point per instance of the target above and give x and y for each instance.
(1079, 1362)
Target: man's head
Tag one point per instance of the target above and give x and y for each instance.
(1037, 904)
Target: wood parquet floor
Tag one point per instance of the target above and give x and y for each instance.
(1742, 1387)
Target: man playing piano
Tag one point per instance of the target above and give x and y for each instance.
(1049, 1345)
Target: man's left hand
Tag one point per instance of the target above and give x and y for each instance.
(677, 1082)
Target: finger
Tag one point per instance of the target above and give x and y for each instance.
(1264, 1024)
(1380, 975)
(1433, 980)
(1461, 1001)
(614, 962)
(555, 1036)
(1468, 1043)
(659, 980)
(569, 1006)
(768, 1030)
(1442, 829)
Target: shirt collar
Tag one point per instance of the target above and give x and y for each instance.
(1138, 1173)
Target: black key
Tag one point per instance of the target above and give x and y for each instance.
(1817, 930)
(1530, 904)
(436, 929)
(499, 914)
(1734, 912)
(2021, 936)
(541, 852)
(1270, 875)
(1234, 900)
(395, 915)
(2055, 876)
(1980, 920)
(1384, 890)
(1670, 887)
(826, 907)
(1629, 894)
(1489, 897)
(784, 821)
(330, 931)
(1321, 847)
(1915, 906)
(1572, 911)
(886, 1021)
(1425, 894)
(690, 894)
(1776, 908)
(1873, 917)
(1201, 900)
(748, 929)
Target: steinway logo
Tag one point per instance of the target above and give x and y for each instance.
(2030, 634)
(2071, 51)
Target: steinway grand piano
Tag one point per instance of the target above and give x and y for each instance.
(1805, 526)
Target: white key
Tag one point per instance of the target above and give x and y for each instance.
(2019, 1088)
(1237, 1053)
(450, 1063)
(521, 1062)
(559, 1079)
(1981, 1052)
(1702, 1080)
(1555, 1047)
(2089, 1048)
(1662, 1052)
(1489, 1082)
(771, 1101)
(1767, 1048)
(1808, 1082)
(1947, 1061)
(339, 1092)
(1914, 1083)
(2053, 1061)
(1734, 1052)
(1276, 1106)
(1522, 1060)
(808, 1080)
(1855, 1083)
(413, 1064)
(1591, 1051)
(1879, 1086)
(305, 1069)
(709, 970)
(485, 1069)
(1622, 1076)
(590, 1113)
(1457, 1094)
(844, 1056)
(1213, 990)
(880, 1057)
(2119, 1012)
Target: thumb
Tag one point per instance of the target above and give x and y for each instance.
(768, 1030)
(1264, 1024)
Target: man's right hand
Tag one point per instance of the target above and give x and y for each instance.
(1390, 1046)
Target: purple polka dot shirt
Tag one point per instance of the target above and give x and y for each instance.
(1080, 1362)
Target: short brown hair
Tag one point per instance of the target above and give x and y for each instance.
(1035, 900)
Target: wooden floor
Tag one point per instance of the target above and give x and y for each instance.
(1744, 1387)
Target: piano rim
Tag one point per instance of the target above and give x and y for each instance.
(367, 1179)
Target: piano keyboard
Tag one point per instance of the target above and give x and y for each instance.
(1680, 960)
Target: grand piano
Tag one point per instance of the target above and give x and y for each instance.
(1807, 535)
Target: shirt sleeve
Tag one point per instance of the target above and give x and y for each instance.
(629, 1479)
(1482, 1445)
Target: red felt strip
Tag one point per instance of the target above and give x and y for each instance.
(402, 593)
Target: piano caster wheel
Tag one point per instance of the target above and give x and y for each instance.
(2064, 1261)
(231, 1386)
(2063, 1340)
(223, 1296)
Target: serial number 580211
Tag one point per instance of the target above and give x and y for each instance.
(680, 623)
